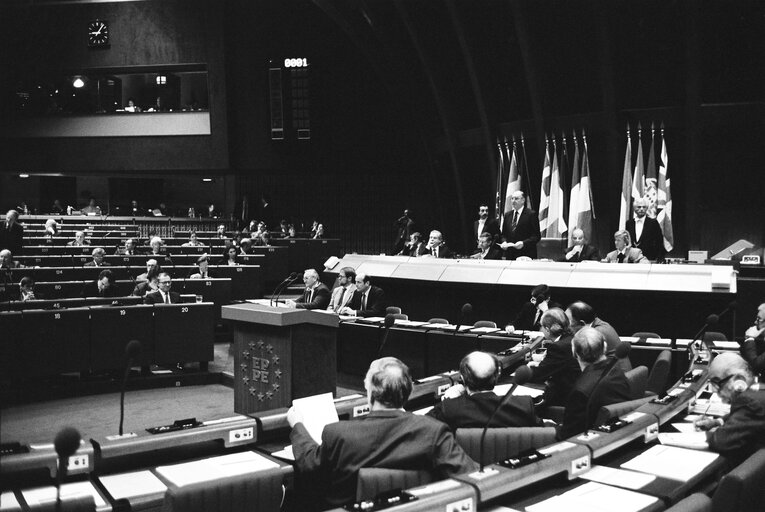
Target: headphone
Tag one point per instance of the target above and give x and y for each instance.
(739, 384)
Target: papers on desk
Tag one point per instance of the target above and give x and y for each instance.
(595, 497)
(285, 453)
(410, 323)
(618, 477)
(484, 330)
(132, 485)
(40, 495)
(693, 440)
(710, 408)
(423, 411)
(215, 467)
(727, 345)
(371, 319)
(659, 341)
(8, 501)
(502, 390)
(317, 411)
(671, 462)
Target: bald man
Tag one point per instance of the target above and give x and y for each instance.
(645, 232)
(742, 432)
(520, 229)
(472, 403)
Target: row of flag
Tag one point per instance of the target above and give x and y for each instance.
(555, 221)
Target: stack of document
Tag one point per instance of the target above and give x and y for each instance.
(214, 468)
(595, 497)
(671, 462)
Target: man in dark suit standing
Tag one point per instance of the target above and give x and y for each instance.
(520, 229)
(387, 437)
(163, 295)
(367, 300)
(12, 233)
(484, 224)
(645, 232)
(472, 403)
(600, 384)
(487, 250)
(316, 295)
(581, 250)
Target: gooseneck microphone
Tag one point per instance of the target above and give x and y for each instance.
(283, 286)
(66, 443)
(132, 350)
(277, 289)
(390, 319)
(466, 311)
(522, 376)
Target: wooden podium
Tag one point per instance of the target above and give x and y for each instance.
(281, 354)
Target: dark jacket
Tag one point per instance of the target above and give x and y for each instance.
(527, 231)
(375, 302)
(473, 411)
(320, 299)
(559, 370)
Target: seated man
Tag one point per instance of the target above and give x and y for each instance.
(342, 294)
(193, 242)
(487, 250)
(599, 384)
(79, 240)
(102, 287)
(91, 208)
(128, 249)
(156, 245)
(742, 432)
(98, 258)
(580, 314)
(27, 290)
(368, 300)
(624, 253)
(580, 250)
(558, 370)
(753, 349)
(202, 263)
(7, 262)
(150, 284)
(435, 246)
(531, 312)
(163, 295)
(150, 264)
(316, 294)
(387, 437)
(412, 247)
(472, 403)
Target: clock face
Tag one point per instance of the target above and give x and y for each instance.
(98, 33)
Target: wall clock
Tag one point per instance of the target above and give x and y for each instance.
(98, 33)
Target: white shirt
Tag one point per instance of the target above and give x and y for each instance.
(639, 223)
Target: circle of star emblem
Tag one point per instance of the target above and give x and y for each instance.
(260, 397)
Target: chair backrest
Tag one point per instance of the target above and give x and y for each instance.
(373, 481)
(400, 316)
(711, 336)
(261, 490)
(392, 310)
(644, 335)
(438, 321)
(659, 376)
(485, 323)
(608, 412)
(741, 489)
(638, 379)
(503, 443)
(84, 503)
(698, 502)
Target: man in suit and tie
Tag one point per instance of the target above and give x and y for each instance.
(520, 229)
(316, 295)
(484, 224)
(128, 250)
(368, 300)
(79, 240)
(102, 287)
(98, 258)
(12, 233)
(487, 250)
(343, 293)
(163, 295)
(412, 247)
(645, 232)
(581, 250)
(435, 246)
(624, 253)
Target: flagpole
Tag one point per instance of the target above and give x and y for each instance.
(526, 168)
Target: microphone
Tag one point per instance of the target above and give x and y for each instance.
(622, 350)
(467, 309)
(66, 443)
(293, 277)
(280, 287)
(710, 321)
(132, 349)
(390, 319)
(522, 376)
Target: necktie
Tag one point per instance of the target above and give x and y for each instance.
(363, 301)
(620, 257)
(167, 298)
(515, 219)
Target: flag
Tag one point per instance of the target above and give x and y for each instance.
(500, 172)
(586, 209)
(664, 198)
(523, 173)
(513, 182)
(554, 224)
(638, 180)
(544, 192)
(650, 178)
(563, 174)
(625, 210)
(573, 201)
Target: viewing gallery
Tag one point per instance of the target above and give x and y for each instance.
(294, 255)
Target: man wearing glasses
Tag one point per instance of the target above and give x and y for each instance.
(742, 431)
(163, 295)
(753, 349)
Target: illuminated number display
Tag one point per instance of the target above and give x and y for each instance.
(296, 63)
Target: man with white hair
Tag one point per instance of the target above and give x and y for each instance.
(753, 349)
(79, 240)
(645, 232)
(624, 252)
(316, 294)
(98, 258)
(435, 246)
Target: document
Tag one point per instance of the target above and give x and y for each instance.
(618, 477)
(423, 411)
(317, 411)
(685, 427)
(215, 467)
(131, 485)
(37, 496)
(693, 440)
(285, 453)
(595, 497)
(502, 390)
(671, 462)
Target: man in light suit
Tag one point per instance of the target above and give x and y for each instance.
(520, 229)
(624, 253)
(387, 437)
(368, 300)
(484, 224)
(316, 295)
(645, 232)
(343, 293)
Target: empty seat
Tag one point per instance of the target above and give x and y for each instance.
(503, 443)
(392, 310)
(638, 379)
(608, 412)
(261, 490)
(712, 336)
(438, 321)
(742, 489)
(373, 481)
(400, 316)
(485, 323)
(644, 335)
(659, 376)
(698, 502)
